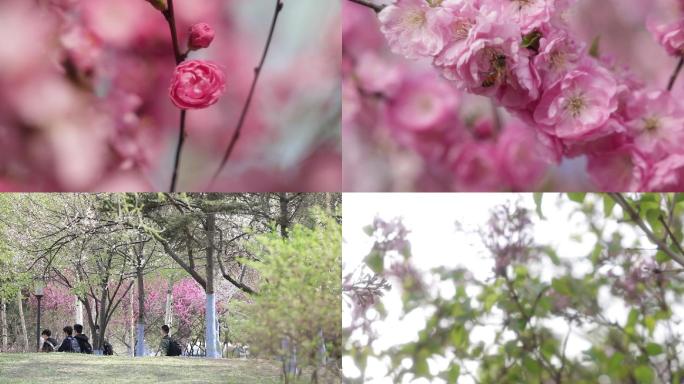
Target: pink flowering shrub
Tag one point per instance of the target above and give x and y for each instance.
(572, 101)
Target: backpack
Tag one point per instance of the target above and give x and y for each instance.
(48, 346)
(107, 349)
(174, 348)
(74, 345)
(85, 347)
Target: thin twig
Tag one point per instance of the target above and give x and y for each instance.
(248, 102)
(634, 215)
(179, 57)
(673, 78)
(179, 149)
(375, 7)
(672, 236)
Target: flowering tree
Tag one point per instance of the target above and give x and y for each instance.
(546, 94)
(101, 95)
(523, 322)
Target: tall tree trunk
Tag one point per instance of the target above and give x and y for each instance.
(78, 312)
(132, 329)
(78, 309)
(89, 312)
(140, 345)
(102, 320)
(3, 322)
(22, 320)
(283, 218)
(210, 318)
(168, 314)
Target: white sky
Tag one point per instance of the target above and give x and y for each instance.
(436, 242)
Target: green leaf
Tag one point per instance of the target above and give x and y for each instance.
(577, 197)
(561, 286)
(644, 374)
(615, 363)
(594, 48)
(531, 40)
(538, 201)
(421, 368)
(662, 257)
(375, 261)
(454, 373)
(369, 230)
(632, 319)
(608, 205)
(654, 349)
(459, 337)
(650, 324)
(531, 365)
(490, 300)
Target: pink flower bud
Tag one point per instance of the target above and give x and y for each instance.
(197, 84)
(201, 36)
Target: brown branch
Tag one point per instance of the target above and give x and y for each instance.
(375, 7)
(179, 57)
(257, 71)
(634, 215)
(673, 78)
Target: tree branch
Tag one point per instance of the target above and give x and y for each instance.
(673, 78)
(375, 7)
(634, 215)
(248, 102)
(179, 57)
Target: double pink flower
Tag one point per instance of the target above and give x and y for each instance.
(197, 84)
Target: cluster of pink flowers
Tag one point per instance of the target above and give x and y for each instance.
(576, 102)
(455, 135)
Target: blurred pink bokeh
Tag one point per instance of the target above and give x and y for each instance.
(84, 102)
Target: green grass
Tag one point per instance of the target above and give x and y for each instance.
(25, 368)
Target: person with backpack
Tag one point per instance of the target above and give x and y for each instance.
(168, 346)
(83, 343)
(69, 344)
(49, 344)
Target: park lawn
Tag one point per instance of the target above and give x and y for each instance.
(29, 368)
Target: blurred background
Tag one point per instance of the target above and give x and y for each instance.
(384, 151)
(84, 100)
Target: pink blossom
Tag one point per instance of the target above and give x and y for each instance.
(618, 170)
(670, 36)
(530, 14)
(413, 28)
(579, 105)
(200, 36)
(197, 84)
(558, 53)
(351, 103)
(657, 122)
(423, 102)
(491, 62)
(376, 75)
(668, 175)
(521, 163)
(475, 168)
